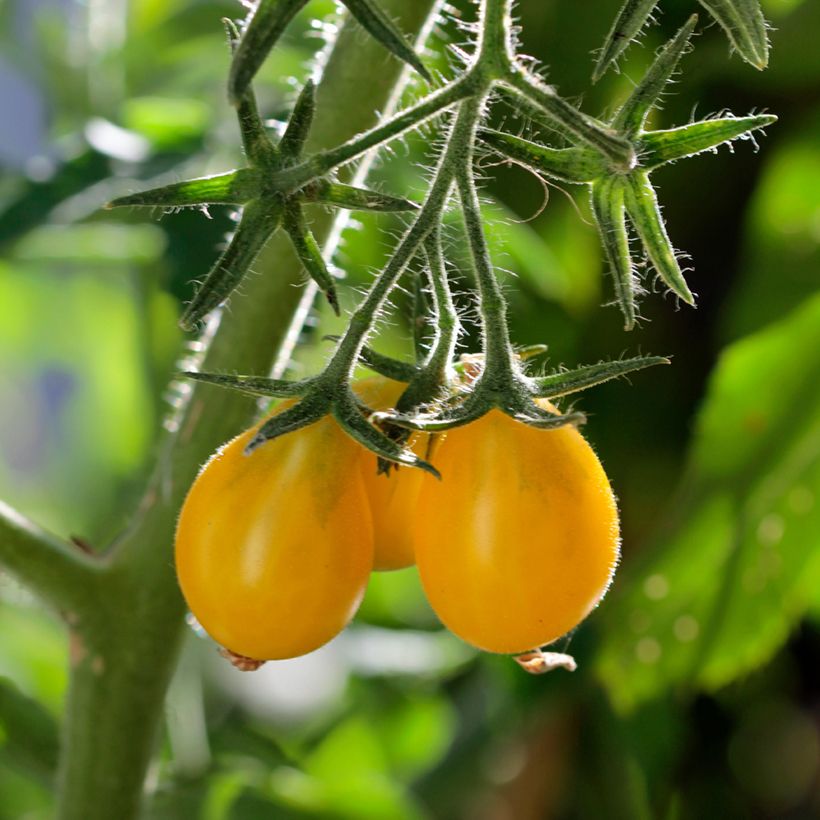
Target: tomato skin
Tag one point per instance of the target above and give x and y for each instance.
(274, 550)
(520, 539)
(394, 497)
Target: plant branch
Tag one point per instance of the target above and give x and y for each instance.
(55, 570)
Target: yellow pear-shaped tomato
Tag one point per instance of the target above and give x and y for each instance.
(393, 497)
(274, 549)
(519, 540)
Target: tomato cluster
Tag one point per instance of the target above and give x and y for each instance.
(514, 546)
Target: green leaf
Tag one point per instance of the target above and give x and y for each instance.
(645, 214)
(659, 147)
(233, 188)
(719, 595)
(626, 27)
(264, 26)
(633, 113)
(610, 217)
(259, 221)
(575, 165)
(310, 254)
(743, 22)
(379, 25)
(571, 381)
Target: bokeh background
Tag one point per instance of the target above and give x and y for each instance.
(698, 692)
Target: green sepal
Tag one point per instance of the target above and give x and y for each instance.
(534, 416)
(608, 210)
(301, 118)
(627, 25)
(294, 418)
(744, 24)
(259, 220)
(379, 25)
(309, 253)
(644, 213)
(530, 351)
(355, 199)
(465, 413)
(252, 385)
(572, 381)
(233, 188)
(659, 147)
(575, 165)
(633, 113)
(599, 136)
(264, 26)
(386, 365)
(351, 420)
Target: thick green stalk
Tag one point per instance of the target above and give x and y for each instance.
(126, 640)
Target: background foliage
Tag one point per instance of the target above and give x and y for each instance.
(698, 692)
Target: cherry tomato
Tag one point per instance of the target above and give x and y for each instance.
(274, 549)
(519, 540)
(393, 497)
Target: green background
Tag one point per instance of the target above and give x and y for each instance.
(698, 689)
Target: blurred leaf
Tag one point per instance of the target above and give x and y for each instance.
(28, 733)
(166, 122)
(781, 252)
(720, 594)
(416, 733)
(353, 769)
(97, 243)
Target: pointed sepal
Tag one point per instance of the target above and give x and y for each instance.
(645, 214)
(627, 26)
(310, 254)
(744, 24)
(633, 113)
(599, 136)
(251, 385)
(233, 188)
(265, 25)
(353, 198)
(659, 147)
(294, 418)
(571, 381)
(610, 218)
(574, 165)
(541, 419)
(259, 220)
(351, 420)
(301, 118)
(379, 25)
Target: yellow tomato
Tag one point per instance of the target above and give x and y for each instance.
(519, 540)
(274, 549)
(393, 498)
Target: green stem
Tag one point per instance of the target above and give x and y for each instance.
(127, 637)
(56, 571)
(498, 354)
